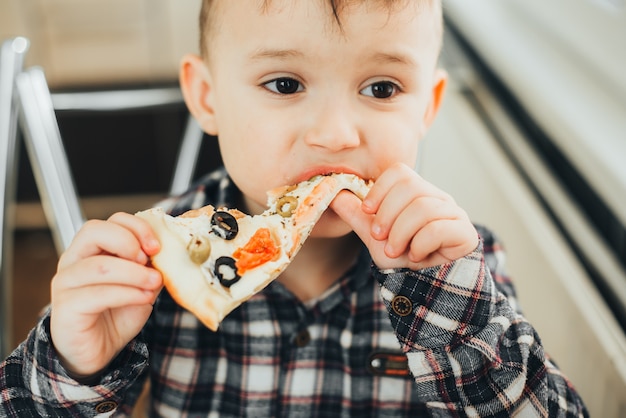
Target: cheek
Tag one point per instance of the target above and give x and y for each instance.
(399, 146)
(250, 163)
(394, 136)
(264, 150)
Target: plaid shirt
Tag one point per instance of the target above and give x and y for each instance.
(444, 341)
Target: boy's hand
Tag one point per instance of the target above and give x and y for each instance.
(103, 291)
(407, 222)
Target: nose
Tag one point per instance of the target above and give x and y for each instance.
(333, 126)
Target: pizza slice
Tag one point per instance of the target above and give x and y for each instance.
(212, 260)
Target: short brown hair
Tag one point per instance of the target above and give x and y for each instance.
(208, 25)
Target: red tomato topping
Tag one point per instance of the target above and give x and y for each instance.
(259, 250)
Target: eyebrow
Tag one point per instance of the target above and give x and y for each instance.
(275, 53)
(393, 58)
(378, 57)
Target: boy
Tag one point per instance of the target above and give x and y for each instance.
(395, 306)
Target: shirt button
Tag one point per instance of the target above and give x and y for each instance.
(402, 305)
(106, 406)
(302, 339)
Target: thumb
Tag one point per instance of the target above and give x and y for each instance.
(348, 207)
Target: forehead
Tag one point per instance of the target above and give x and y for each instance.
(336, 11)
(335, 7)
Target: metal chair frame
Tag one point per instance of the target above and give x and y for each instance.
(26, 97)
(12, 54)
(48, 158)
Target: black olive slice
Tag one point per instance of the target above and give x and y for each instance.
(226, 271)
(224, 225)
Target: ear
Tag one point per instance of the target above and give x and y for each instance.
(197, 89)
(438, 90)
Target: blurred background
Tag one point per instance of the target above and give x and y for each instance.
(534, 125)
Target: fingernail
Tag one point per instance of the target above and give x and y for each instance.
(152, 244)
(390, 251)
(155, 277)
(142, 258)
(376, 230)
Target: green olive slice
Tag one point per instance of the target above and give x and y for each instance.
(199, 249)
(286, 205)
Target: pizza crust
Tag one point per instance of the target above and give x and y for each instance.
(195, 287)
(183, 279)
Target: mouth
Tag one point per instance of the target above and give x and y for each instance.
(325, 171)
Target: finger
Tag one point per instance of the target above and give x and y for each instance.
(395, 202)
(105, 269)
(403, 177)
(132, 320)
(400, 195)
(441, 242)
(141, 229)
(409, 223)
(102, 237)
(95, 299)
(348, 207)
(98, 237)
(387, 180)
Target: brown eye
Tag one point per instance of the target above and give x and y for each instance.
(284, 85)
(380, 90)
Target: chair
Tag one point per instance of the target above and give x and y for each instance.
(47, 154)
(187, 157)
(104, 101)
(28, 92)
(12, 54)
(48, 159)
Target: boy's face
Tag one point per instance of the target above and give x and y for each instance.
(291, 94)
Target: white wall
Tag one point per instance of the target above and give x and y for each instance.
(564, 61)
(90, 42)
(460, 156)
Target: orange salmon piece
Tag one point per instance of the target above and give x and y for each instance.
(259, 250)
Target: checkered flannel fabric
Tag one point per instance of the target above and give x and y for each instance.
(444, 341)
